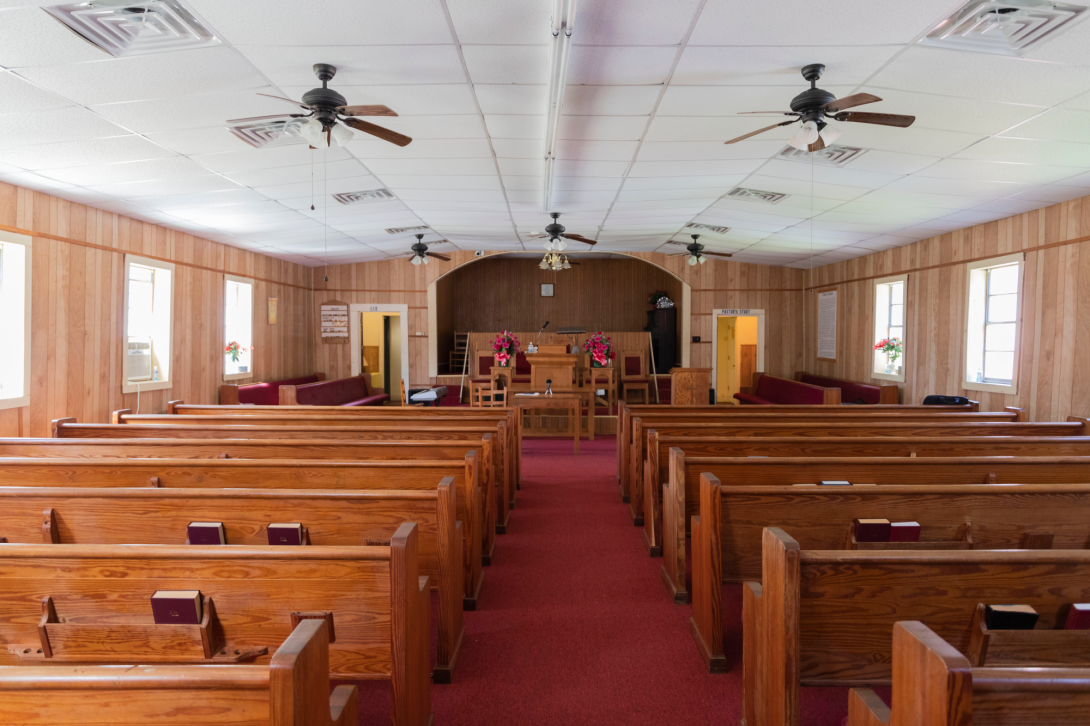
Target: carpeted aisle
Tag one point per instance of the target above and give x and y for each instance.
(574, 625)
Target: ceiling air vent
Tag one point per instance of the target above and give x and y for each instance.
(403, 230)
(135, 28)
(829, 156)
(697, 227)
(282, 132)
(371, 195)
(756, 195)
(1003, 27)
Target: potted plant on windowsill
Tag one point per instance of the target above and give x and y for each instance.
(505, 347)
(234, 351)
(893, 348)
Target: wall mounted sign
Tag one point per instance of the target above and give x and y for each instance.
(272, 311)
(334, 321)
(546, 289)
(826, 327)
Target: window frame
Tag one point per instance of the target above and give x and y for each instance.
(28, 276)
(896, 377)
(1018, 258)
(227, 277)
(163, 383)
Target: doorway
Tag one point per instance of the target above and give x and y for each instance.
(738, 351)
(378, 337)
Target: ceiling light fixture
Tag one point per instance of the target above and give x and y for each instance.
(341, 134)
(312, 132)
(563, 21)
(807, 134)
(554, 261)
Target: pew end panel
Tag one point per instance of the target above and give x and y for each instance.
(865, 708)
(1026, 648)
(673, 529)
(706, 622)
(410, 613)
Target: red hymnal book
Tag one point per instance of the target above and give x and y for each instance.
(872, 530)
(285, 533)
(1079, 617)
(206, 533)
(904, 532)
(176, 607)
(1010, 617)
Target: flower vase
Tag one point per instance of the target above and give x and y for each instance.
(889, 368)
(501, 363)
(596, 364)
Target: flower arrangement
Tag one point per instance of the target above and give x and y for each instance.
(600, 348)
(504, 347)
(892, 347)
(235, 350)
(656, 296)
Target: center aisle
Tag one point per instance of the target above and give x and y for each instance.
(575, 626)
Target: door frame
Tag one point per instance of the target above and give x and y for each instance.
(736, 313)
(354, 333)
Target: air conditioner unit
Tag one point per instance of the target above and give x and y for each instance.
(139, 360)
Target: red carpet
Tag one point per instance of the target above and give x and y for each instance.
(574, 625)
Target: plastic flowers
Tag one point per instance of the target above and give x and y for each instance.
(235, 350)
(891, 347)
(600, 348)
(504, 347)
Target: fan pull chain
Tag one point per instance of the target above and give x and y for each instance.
(325, 210)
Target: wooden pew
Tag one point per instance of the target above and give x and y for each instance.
(851, 427)
(683, 500)
(292, 690)
(98, 608)
(935, 685)
(268, 474)
(59, 515)
(952, 516)
(837, 629)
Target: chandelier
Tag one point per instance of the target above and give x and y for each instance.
(555, 261)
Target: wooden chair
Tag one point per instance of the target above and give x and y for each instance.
(292, 690)
(499, 386)
(603, 378)
(481, 380)
(634, 374)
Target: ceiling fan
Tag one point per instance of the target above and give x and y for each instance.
(331, 116)
(420, 251)
(815, 105)
(697, 253)
(555, 231)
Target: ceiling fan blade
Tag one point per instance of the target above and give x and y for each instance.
(438, 256)
(856, 99)
(579, 238)
(374, 110)
(759, 131)
(716, 254)
(774, 113)
(882, 119)
(264, 118)
(537, 236)
(297, 103)
(385, 134)
(817, 145)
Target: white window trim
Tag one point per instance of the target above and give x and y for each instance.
(1011, 390)
(904, 353)
(253, 312)
(22, 239)
(160, 385)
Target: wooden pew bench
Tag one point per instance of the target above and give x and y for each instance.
(935, 685)
(292, 690)
(98, 608)
(849, 427)
(825, 617)
(269, 474)
(59, 515)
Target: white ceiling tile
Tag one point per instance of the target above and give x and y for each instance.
(922, 200)
(184, 112)
(610, 100)
(694, 168)
(83, 153)
(1042, 195)
(512, 21)
(507, 63)
(1056, 125)
(633, 22)
(1079, 180)
(407, 100)
(792, 22)
(576, 167)
(821, 174)
(1015, 205)
(756, 148)
(31, 37)
(527, 126)
(924, 142)
(670, 195)
(211, 140)
(579, 198)
(1029, 151)
(340, 22)
(714, 128)
(994, 171)
(21, 96)
(248, 158)
(454, 196)
(511, 98)
(366, 148)
(520, 167)
(523, 183)
(51, 126)
(728, 101)
(974, 75)
(130, 171)
(298, 174)
(728, 181)
(166, 187)
(203, 199)
(291, 66)
(205, 70)
(619, 65)
(338, 185)
(801, 185)
(32, 181)
(778, 66)
(575, 149)
(891, 162)
(961, 187)
(438, 167)
(1069, 46)
(968, 218)
(602, 128)
(590, 183)
(402, 182)
(950, 113)
(519, 148)
(435, 127)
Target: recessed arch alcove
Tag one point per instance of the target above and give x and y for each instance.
(605, 291)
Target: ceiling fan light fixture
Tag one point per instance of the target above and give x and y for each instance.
(807, 134)
(829, 135)
(416, 260)
(425, 259)
(544, 264)
(701, 259)
(692, 259)
(341, 134)
(312, 132)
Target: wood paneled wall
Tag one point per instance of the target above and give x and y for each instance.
(716, 284)
(1054, 357)
(77, 311)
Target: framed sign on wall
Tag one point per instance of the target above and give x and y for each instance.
(546, 289)
(272, 311)
(826, 327)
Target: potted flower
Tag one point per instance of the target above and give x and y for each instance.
(653, 301)
(600, 348)
(504, 348)
(892, 347)
(235, 350)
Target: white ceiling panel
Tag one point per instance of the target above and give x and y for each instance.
(801, 187)
(298, 174)
(727, 181)
(1046, 194)
(435, 127)
(55, 125)
(844, 176)
(210, 140)
(1059, 124)
(247, 158)
(755, 148)
(509, 21)
(891, 162)
(165, 187)
(728, 101)
(507, 63)
(399, 182)
(962, 187)
(715, 128)
(695, 168)
(438, 167)
(353, 183)
(610, 100)
(778, 66)
(32, 181)
(594, 183)
(519, 167)
(452, 196)
(21, 96)
(291, 66)
(364, 22)
(184, 112)
(1029, 151)
(923, 142)
(132, 171)
(511, 98)
(206, 199)
(525, 126)
(366, 147)
(83, 153)
(579, 167)
(993, 171)
(951, 113)
(519, 148)
(602, 128)
(634, 22)
(620, 65)
(31, 37)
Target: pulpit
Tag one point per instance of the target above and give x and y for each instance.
(690, 386)
(552, 362)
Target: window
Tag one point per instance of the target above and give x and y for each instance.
(15, 274)
(991, 362)
(890, 295)
(149, 324)
(238, 327)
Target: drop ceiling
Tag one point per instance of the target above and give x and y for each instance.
(654, 87)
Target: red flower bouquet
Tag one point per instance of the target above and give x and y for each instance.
(600, 347)
(504, 348)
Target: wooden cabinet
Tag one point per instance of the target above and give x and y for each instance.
(662, 324)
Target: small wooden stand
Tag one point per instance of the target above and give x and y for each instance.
(63, 642)
(690, 386)
(965, 543)
(1022, 648)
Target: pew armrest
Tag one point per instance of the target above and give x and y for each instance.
(344, 706)
(865, 708)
